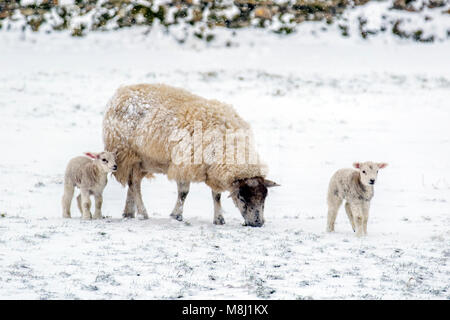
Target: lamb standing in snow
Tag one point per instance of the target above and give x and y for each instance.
(90, 176)
(147, 125)
(356, 187)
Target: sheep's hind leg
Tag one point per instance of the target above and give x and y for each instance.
(183, 190)
(130, 204)
(218, 212)
(67, 200)
(350, 215)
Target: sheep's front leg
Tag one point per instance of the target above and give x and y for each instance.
(218, 212)
(357, 212)
(366, 207)
(98, 206)
(350, 215)
(135, 187)
(183, 190)
(130, 204)
(85, 205)
(67, 200)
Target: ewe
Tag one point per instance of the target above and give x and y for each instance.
(149, 126)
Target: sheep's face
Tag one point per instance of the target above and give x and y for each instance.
(105, 160)
(368, 171)
(249, 196)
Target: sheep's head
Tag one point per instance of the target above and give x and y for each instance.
(249, 196)
(368, 171)
(105, 160)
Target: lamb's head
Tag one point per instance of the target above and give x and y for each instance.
(368, 171)
(249, 196)
(105, 160)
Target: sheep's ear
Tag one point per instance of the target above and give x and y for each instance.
(357, 165)
(234, 188)
(92, 155)
(233, 193)
(382, 165)
(270, 184)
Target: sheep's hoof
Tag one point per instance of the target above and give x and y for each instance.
(143, 216)
(86, 217)
(128, 215)
(219, 221)
(177, 217)
(97, 217)
(66, 216)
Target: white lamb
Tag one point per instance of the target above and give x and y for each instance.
(90, 176)
(356, 187)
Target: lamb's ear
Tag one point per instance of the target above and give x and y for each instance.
(92, 155)
(357, 165)
(382, 165)
(270, 184)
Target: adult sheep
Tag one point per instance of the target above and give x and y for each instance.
(155, 128)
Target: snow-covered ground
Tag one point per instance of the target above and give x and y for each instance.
(314, 105)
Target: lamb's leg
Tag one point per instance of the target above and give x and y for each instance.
(135, 187)
(98, 206)
(365, 217)
(130, 204)
(86, 205)
(79, 204)
(183, 190)
(218, 212)
(357, 218)
(350, 215)
(67, 199)
(334, 203)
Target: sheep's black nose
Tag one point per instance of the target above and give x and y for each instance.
(258, 222)
(372, 181)
(115, 168)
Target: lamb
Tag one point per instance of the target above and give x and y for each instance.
(356, 187)
(90, 176)
(156, 128)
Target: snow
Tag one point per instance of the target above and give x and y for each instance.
(315, 105)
